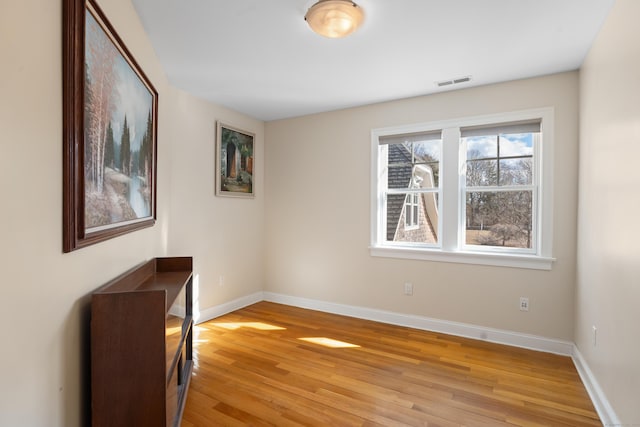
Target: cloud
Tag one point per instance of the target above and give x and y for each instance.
(479, 147)
(516, 145)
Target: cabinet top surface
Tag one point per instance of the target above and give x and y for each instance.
(155, 275)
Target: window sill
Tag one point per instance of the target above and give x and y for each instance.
(465, 257)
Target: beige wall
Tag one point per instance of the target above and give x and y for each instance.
(225, 234)
(608, 289)
(43, 362)
(317, 215)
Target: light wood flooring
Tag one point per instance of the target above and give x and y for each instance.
(276, 365)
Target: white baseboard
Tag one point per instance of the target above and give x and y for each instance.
(228, 307)
(499, 336)
(598, 398)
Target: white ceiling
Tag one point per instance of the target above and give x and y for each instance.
(260, 58)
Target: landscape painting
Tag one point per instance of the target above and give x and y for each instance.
(235, 165)
(119, 135)
(112, 165)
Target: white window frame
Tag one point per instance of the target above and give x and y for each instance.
(451, 247)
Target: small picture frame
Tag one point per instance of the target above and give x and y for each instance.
(235, 162)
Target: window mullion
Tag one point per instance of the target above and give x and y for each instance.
(501, 188)
(450, 180)
(411, 190)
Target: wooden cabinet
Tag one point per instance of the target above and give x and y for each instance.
(141, 345)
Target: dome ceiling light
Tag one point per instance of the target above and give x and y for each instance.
(334, 18)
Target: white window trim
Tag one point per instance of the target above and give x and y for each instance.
(451, 245)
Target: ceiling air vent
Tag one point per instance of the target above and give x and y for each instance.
(454, 81)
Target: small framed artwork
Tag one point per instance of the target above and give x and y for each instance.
(235, 162)
(110, 120)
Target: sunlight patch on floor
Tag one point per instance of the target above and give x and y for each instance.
(254, 325)
(328, 342)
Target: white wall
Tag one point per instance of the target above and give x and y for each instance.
(608, 289)
(317, 215)
(45, 293)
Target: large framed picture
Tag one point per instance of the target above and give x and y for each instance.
(235, 162)
(110, 119)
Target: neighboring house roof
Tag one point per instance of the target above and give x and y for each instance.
(398, 177)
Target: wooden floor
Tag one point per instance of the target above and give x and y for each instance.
(276, 365)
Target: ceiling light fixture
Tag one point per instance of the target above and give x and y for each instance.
(334, 18)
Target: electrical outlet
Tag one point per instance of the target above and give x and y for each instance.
(408, 288)
(221, 280)
(595, 335)
(524, 303)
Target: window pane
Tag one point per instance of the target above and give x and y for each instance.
(518, 144)
(395, 204)
(516, 171)
(482, 173)
(399, 176)
(413, 164)
(482, 147)
(427, 151)
(416, 211)
(501, 218)
(427, 157)
(399, 154)
(425, 176)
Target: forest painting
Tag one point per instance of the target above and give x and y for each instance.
(118, 134)
(110, 111)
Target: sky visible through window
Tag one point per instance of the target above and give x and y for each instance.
(520, 144)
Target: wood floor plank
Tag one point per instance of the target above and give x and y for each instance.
(252, 367)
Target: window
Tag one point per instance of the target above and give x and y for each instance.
(469, 190)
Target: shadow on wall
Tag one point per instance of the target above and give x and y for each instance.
(76, 365)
